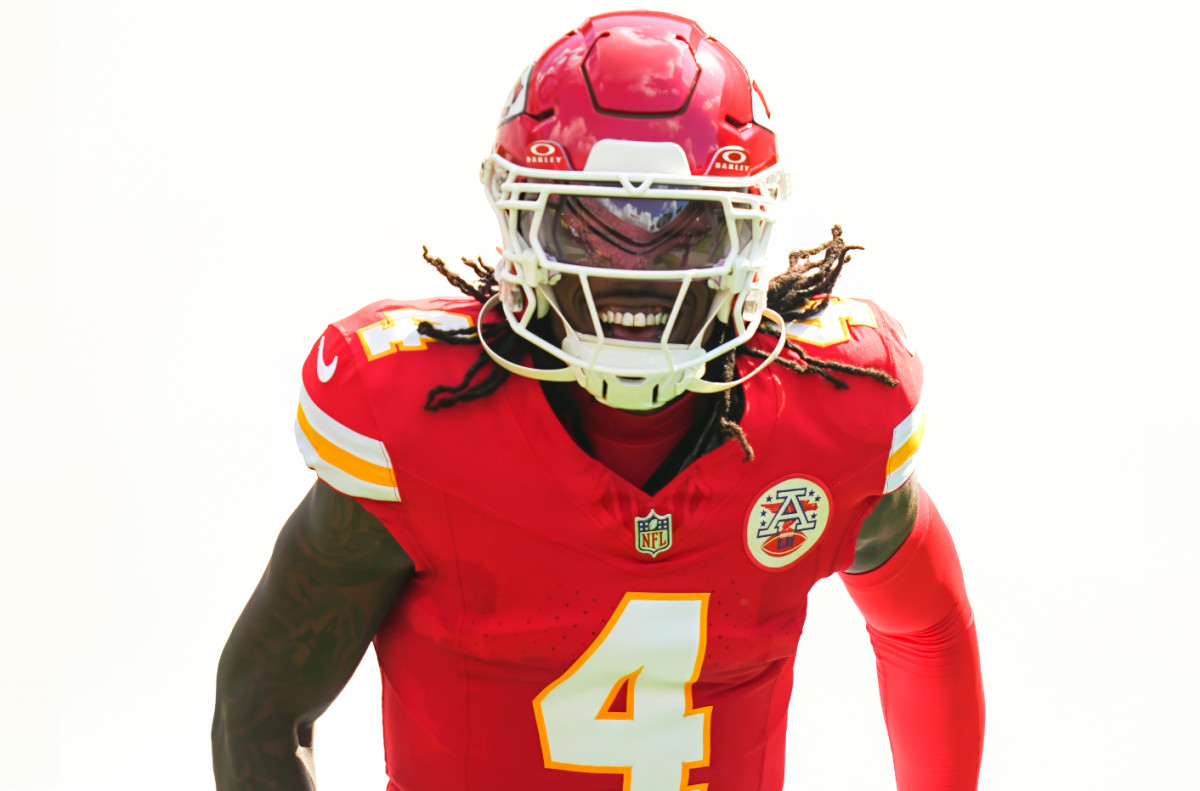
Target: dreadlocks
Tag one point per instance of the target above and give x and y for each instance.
(799, 293)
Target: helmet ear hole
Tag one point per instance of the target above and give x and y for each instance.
(513, 297)
(753, 302)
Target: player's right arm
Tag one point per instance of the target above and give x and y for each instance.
(333, 576)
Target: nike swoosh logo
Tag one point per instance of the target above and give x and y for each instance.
(324, 372)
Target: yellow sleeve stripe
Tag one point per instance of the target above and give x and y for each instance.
(350, 462)
(344, 461)
(906, 442)
(342, 481)
(908, 447)
(346, 438)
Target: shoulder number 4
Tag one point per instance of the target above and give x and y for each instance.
(649, 653)
(398, 330)
(832, 325)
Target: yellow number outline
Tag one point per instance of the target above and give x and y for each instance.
(603, 713)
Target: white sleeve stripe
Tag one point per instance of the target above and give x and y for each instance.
(905, 429)
(343, 481)
(366, 448)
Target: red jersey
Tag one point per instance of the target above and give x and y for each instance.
(565, 629)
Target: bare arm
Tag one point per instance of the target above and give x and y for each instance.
(333, 576)
(884, 530)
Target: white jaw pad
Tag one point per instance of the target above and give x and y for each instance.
(626, 377)
(632, 359)
(637, 156)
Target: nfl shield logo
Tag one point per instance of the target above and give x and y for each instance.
(652, 533)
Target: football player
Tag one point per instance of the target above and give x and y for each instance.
(609, 595)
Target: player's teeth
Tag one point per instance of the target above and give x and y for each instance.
(631, 319)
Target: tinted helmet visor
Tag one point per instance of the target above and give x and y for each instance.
(649, 234)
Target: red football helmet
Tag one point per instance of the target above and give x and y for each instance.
(636, 183)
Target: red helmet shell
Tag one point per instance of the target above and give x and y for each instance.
(639, 75)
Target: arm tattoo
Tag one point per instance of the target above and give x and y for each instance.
(332, 578)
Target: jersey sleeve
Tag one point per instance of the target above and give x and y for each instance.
(336, 427)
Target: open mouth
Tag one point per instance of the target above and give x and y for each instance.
(631, 312)
(633, 322)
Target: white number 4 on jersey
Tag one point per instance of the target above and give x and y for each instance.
(650, 649)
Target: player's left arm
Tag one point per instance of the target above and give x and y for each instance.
(886, 528)
(908, 584)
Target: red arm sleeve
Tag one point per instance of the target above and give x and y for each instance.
(923, 633)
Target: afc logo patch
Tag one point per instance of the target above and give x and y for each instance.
(785, 522)
(652, 533)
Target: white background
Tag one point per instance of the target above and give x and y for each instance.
(190, 190)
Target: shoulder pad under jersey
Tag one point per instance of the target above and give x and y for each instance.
(860, 333)
(372, 360)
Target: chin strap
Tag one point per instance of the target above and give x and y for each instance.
(705, 386)
(564, 374)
